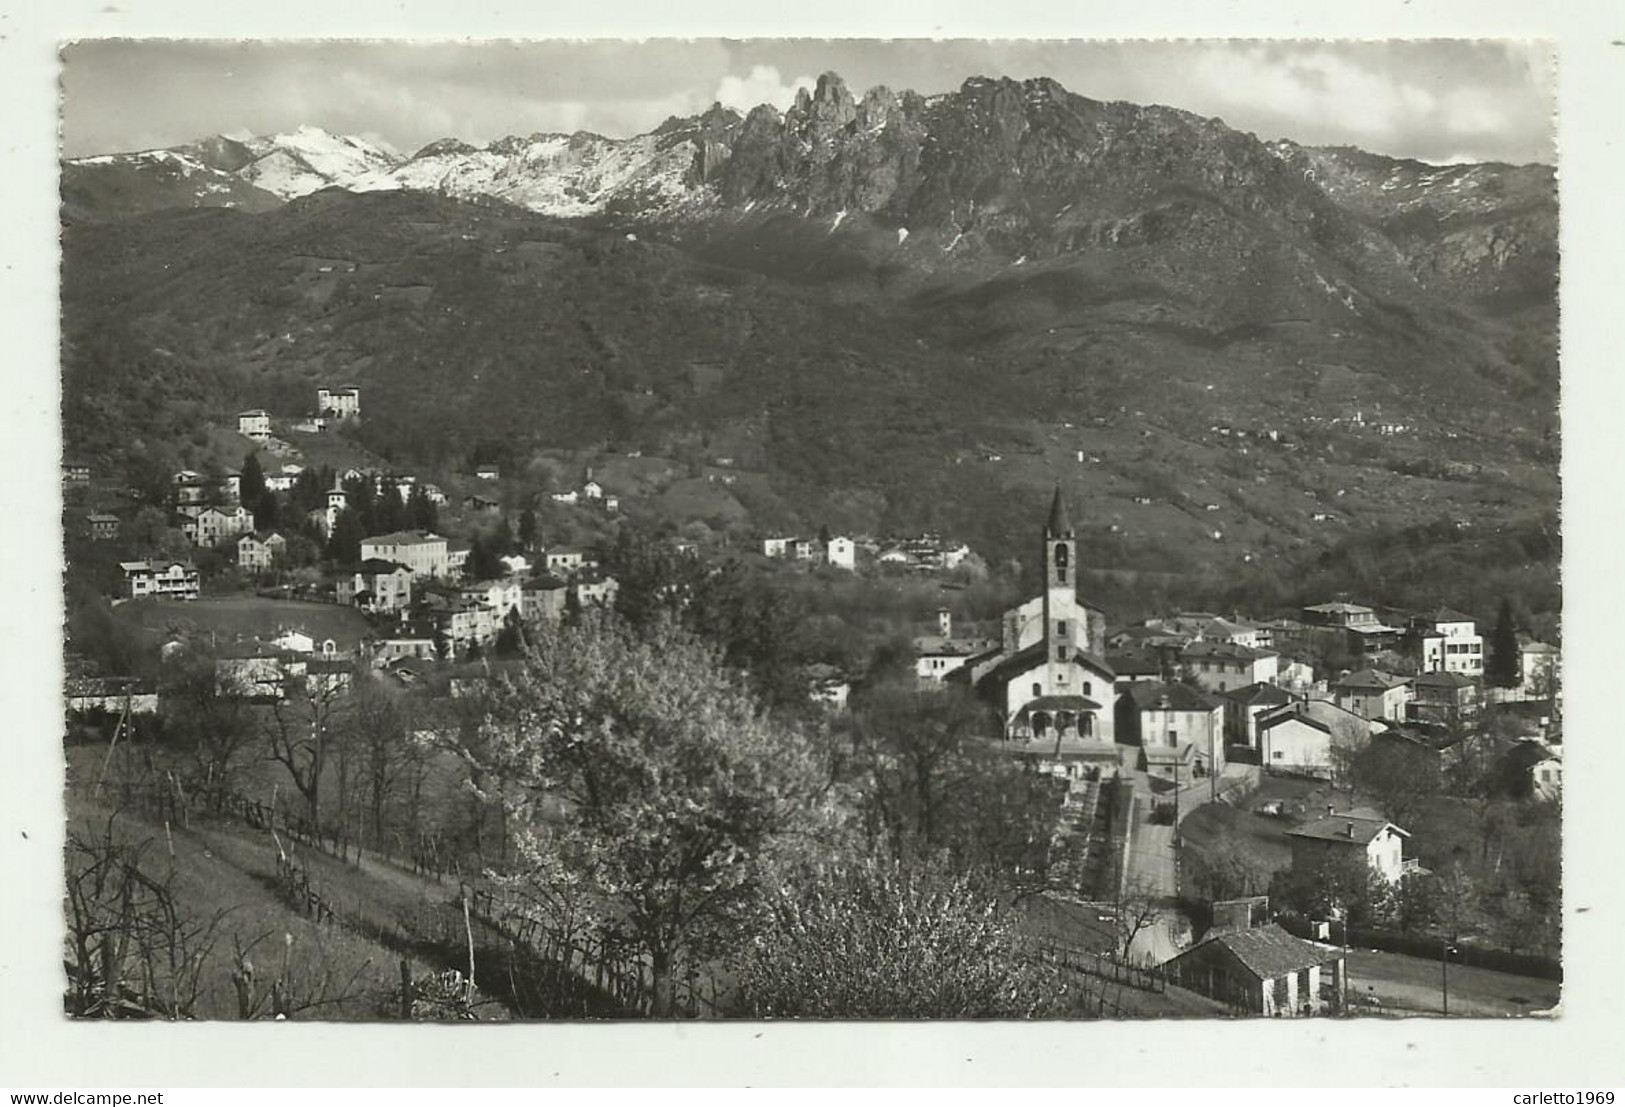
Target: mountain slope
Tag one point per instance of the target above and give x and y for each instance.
(897, 311)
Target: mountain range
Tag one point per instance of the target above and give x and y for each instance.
(869, 298)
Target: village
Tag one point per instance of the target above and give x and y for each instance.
(1218, 776)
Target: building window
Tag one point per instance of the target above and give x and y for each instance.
(1038, 689)
(1173, 737)
(1060, 628)
(1060, 652)
(1087, 724)
(1060, 562)
(1088, 690)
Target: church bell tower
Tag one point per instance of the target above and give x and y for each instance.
(1060, 583)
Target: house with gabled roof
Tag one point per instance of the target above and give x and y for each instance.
(1373, 694)
(1180, 729)
(1358, 833)
(176, 580)
(1263, 970)
(258, 553)
(102, 527)
(1305, 737)
(1244, 705)
(1447, 640)
(1446, 697)
(1221, 666)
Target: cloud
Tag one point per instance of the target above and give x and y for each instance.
(763, 86)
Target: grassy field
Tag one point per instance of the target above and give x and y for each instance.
(230, 617)
(1415, 985)
(345, 970)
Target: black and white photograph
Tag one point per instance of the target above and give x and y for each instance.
(810, 529)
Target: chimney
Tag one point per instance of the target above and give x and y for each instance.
(945, 622)
(1349, 829)
(1330, 810)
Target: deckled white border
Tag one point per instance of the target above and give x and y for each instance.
(39, 1049)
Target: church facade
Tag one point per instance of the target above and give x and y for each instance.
(1048, 679)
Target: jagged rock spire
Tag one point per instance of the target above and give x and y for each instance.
(1058, 521)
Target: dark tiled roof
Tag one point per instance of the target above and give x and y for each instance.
(1450, 615)
(1259, 694)
(1133, 663)
(1023, 660)
(1266, 951)
(1442, 680)
(1227, 650)
(1370, 679)
(1354, 826)
(1178, 697)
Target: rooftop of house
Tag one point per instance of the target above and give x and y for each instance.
(1227, 651)
(403, 538)
(1166, 755)
(1358, 826)
(101, 517)
(1133, 663)
(1369, 680)
(1171, 696)
(1449, 615)
(1321, 714)
(1259, 694)
(1340, 608)
(934, 645)
(372, 566)
(1441, 680)
(1267, 952)
(1536, 647)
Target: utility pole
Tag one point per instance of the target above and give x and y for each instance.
(1444, 972)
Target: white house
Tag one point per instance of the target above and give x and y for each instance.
(565, 559)
(501, 596)
(1450, 643)
(1222, 666)
(339, 403)
(256, 554)
(1302, 737)
(840, 552)
(255, 424)
(213, 524)
(1360, 833)
(424, 554)
(776, 547)
(176, 580)
(1373, 694)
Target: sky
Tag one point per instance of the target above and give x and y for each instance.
(1435, 100)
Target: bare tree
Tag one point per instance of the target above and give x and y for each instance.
(301, 730)
(1139, 908)
(132, 952)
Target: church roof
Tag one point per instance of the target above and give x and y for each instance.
(1058, 522)
(1037, 654)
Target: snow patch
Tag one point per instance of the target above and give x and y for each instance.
(902, 235)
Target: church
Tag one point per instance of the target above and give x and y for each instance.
(1048, 679)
